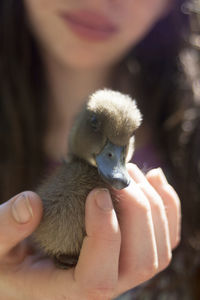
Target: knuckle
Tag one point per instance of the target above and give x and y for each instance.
(144, 206)
(170, 205)
(142, 203)
(165, 261)
(150, 270)
(134, 167)
(176, 241)
(157, 205)
(147, 272)
(172, 197)
(142, 273)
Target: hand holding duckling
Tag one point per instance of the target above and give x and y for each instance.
(108, 254)
(116, 252)
(115, 256)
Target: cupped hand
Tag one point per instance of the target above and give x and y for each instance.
(117, 254)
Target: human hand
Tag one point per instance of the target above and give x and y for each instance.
(115, 256)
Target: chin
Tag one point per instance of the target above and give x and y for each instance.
(78, 61)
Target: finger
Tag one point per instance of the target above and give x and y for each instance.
(171, 202)
(138, 257)
(160, 220)
(18, 218)
(97, 268)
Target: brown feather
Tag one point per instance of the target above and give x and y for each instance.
(62, 229)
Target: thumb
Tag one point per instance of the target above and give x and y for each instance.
(18, 219)
(97, 267)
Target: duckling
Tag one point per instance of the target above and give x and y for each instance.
(100, 144)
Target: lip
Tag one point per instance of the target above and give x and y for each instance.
(90, 25)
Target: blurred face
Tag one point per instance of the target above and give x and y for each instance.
(91, 33)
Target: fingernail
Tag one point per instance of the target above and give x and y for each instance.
(21, 209)
(103, 200)
(161, 176)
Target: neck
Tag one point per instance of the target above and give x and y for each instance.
(69, 89)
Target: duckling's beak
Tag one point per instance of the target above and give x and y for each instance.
(111, 166)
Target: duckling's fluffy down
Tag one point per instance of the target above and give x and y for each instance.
(118, 113)
(126, 107)
(62, 229)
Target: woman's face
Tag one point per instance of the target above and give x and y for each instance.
(91, 33)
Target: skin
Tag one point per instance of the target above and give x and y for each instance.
(121, 254)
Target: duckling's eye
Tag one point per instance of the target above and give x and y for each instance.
(94, 122)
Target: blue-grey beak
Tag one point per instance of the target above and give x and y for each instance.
(111, 166)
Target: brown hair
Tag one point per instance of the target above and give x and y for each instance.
(22, 102)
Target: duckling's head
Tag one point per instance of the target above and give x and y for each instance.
(103, 135)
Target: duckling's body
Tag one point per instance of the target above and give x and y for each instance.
(100, 143)
(62, 230)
